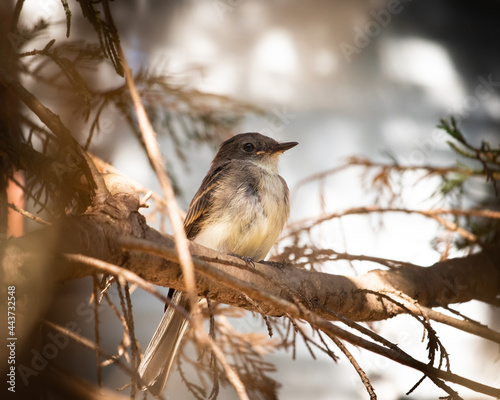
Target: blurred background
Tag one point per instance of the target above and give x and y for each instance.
(342, 78)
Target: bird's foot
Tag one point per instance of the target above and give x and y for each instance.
(248, 260)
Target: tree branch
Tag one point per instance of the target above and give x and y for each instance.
(105, 232)
(115, 232)
(307, 224)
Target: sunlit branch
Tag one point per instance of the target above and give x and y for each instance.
(367, 163)
(304, 225)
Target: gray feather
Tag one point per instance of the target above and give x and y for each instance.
(158, 359)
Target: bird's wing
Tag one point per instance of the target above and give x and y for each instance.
(202, 200)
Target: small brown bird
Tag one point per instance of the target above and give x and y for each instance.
(241, 207)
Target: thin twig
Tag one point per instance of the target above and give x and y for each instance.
(307, 224)
(434, 343)
(96, 328)
(129, 331)
(357, 367)
(364, 162)
(231, 374)
(467, 326)
(134, 346)
(27, 214)
(322, 255)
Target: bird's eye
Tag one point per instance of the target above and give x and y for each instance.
(248, 147)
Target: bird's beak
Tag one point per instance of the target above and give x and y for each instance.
(284, 146)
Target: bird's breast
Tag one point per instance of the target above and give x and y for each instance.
(248, 218)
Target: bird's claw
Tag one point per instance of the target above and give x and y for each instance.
(248, 260)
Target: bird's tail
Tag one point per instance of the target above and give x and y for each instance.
(158, 359)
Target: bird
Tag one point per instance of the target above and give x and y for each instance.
(240, 208)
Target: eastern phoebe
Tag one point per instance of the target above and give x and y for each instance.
(241, 208)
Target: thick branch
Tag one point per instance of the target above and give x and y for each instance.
(101, 232)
